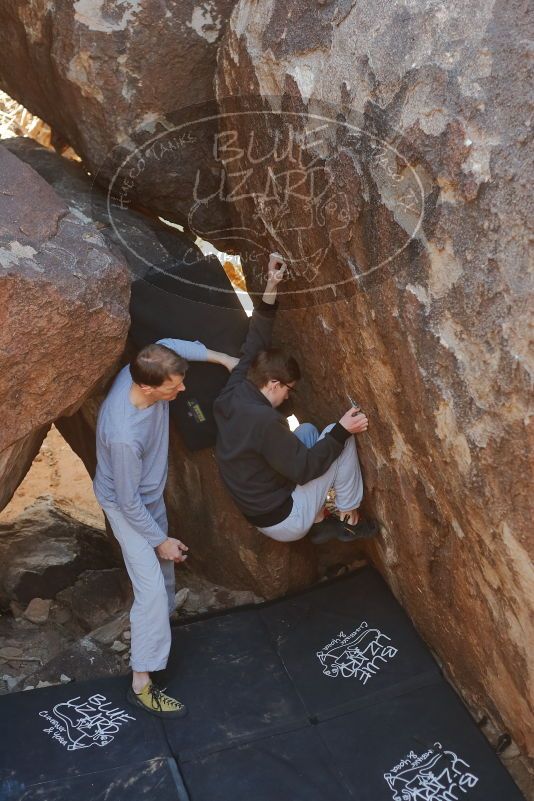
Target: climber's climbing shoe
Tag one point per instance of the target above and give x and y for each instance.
(333, 528)
(362, 530)
(326, 530)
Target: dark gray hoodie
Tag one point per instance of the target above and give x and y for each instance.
(260, 459)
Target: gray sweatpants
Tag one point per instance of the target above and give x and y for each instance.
(344, 475)
(154, 590)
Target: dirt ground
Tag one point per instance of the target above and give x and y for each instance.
(59, 474)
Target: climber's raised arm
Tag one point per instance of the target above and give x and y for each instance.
(261, 324)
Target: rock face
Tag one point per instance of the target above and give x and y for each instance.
(118, 81)
(403, 131)
(44, 551)
(16, 460)
(144, 242)
(63, 313)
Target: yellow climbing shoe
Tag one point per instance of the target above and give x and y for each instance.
(156, 702)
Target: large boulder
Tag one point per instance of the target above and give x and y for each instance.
(144, 241)
(64, 313)
(43, 551)
(411, 117)
(119, 81)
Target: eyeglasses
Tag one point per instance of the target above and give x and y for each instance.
(291, 389)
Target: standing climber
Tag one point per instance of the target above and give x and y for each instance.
(132, 441)
(280, 479)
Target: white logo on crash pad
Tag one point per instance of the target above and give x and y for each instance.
(435, 775)
(359, 655)
(80, 724)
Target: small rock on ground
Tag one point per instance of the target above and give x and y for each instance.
(38, 610)
(10, 681)
(111, 630)
(9, 651)
(181, 597)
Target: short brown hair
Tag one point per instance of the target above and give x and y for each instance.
(273, 365)
(154, 364)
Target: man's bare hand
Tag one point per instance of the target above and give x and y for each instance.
(173, 550)
(215, 357)
(354, 421)
(229, 361)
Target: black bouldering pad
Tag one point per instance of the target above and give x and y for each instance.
(293, 766)
(193, 302)
(157, 779)
(325, 696)
(348, 644)
(228, 667)
(73, 730)
(419, 746)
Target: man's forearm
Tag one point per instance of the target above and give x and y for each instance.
(191, 351)
(215, 357)
(142, 521)
(269, 296)
(126, 470)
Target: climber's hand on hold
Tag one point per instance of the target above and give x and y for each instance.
(276, 269)
(275, 274)
(354, 421)
(173, 550)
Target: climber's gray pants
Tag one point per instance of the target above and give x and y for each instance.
(308, 499)
(154, 587)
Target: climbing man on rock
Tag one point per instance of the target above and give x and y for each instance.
(280, 479)
(132, 442)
